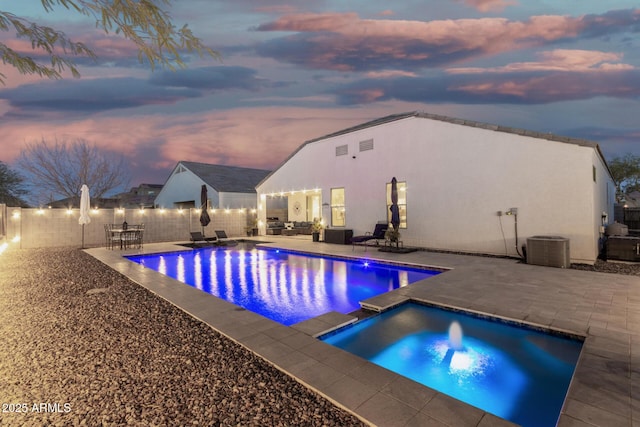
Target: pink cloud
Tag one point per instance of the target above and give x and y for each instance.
(573, 60)
(385, 74)
(490, 5)
(341, 41)
(556, 86)
(251, 137)
(312, 22)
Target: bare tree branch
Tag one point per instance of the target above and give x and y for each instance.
(63, 167)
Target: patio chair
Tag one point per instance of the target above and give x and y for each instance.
(111, 237)
(199, 239)
(377, 235)
(223, 239)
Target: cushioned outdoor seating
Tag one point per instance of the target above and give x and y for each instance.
(224, 239)
(377, 235)
(198, 239)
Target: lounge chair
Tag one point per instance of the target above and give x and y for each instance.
(199, 239)
(377, 235)
(223, 239)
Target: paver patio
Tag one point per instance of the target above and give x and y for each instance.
(605, 308)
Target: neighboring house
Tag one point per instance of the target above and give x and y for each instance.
(229, 187)
(458, 179)
(631, 200)
(74, 202)
(142, 196)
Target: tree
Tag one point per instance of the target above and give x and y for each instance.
(62, 168)
(11, 187)
(143, 22)
(626, 173)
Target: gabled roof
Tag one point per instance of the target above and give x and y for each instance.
(463, 122)
(227, 179)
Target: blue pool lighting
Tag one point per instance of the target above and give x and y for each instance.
(516, 373)
(284, 286)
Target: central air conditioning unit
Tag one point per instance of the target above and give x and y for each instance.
(549, 251)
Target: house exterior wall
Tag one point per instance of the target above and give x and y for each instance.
(236, 201)
(186, 186)
(458, 177)
(181, 187)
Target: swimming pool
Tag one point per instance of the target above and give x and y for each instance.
(284, 286)
(517, 373)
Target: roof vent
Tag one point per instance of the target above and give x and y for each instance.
(366, 145)
(342, 150)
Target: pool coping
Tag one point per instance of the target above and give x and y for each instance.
(375, 395)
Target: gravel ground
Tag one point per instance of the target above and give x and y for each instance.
(617, 267)
(83, 345)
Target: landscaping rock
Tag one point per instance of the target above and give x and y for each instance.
(84, 345)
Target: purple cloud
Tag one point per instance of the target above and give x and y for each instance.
(346, 42)
(210, 78)
(92, 95)
(496, 88)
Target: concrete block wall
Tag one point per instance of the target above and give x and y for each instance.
(36, 228)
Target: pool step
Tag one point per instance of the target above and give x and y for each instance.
(324, 323)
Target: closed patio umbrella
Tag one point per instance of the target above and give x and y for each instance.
(204, 205)
(85, 206)
(395, 210)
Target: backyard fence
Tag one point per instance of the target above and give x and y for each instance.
(3, 222)
(631, 218)
(36, 228)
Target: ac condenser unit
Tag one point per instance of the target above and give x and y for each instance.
(550, 251)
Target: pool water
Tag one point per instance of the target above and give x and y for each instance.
(284, 286)
(516, 373)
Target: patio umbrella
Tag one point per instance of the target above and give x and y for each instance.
(85, 205)
(395, 210)
(204, 204)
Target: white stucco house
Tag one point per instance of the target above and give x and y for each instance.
(464, 186)
(228, 187)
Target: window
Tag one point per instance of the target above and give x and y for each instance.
(337, 207)
(402, 203)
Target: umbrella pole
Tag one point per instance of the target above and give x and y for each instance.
(82, 236)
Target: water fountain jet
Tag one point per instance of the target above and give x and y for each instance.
(455, 336)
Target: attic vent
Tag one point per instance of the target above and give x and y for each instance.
(181, 169)
(342, 150)
(366, 145)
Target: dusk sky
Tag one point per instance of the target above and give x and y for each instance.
(297, 70)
